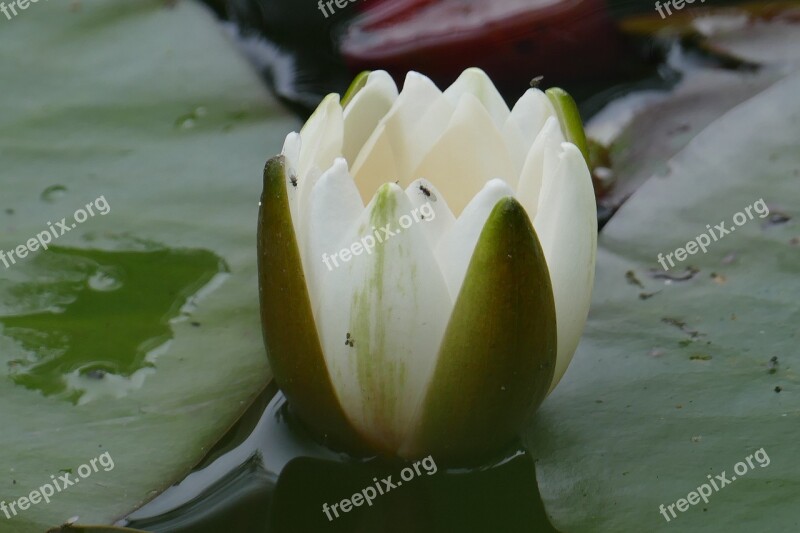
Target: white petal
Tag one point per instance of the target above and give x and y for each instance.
(536, 165)
(517, 148)
(365, 111)
(469, 153)
(321, 138)
(424, 135)
(291, 152)
(474, 81)
(395, 144)
(567, 228)
(333, 209)
(530, 113)
(455, 250)
(394, 305)
(376, 164)
(431, 207)
(302, 193)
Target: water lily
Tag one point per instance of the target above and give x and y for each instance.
(444, 334)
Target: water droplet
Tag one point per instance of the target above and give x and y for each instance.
(187, 123)
(104, 280)
(189, 120)
(53, 193)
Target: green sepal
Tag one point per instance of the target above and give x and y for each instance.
(570, 119)
(359, 82)
(498, 354)
(290, 333)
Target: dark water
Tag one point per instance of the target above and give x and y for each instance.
(267, 475)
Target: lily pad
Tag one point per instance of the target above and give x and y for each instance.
(643, 130)
(675, 381)
(136, 333)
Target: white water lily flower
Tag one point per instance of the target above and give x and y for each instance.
(441, 335)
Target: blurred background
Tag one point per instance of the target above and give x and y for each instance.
(598, 50)
(305, 51)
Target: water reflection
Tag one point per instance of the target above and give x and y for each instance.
(267, 475)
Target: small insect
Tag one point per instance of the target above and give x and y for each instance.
(349, 341)
(630, 277)
(293, 179)
(536, 81)
(427, 192)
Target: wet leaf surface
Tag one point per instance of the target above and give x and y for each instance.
(151, 107)
(665, 391)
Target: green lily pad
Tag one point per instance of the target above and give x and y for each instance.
(675, 378)
(136, 333)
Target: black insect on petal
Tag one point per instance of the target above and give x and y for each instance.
(427, 192)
